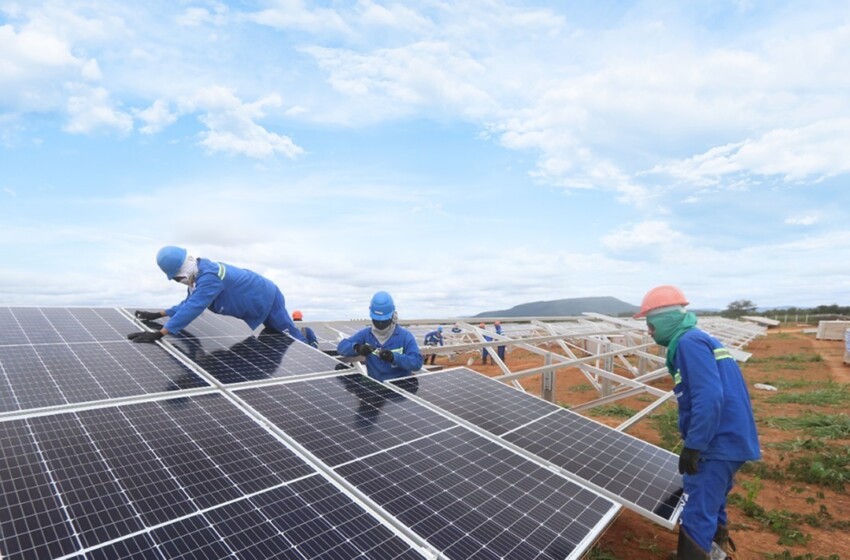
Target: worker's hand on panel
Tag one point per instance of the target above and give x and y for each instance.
(147, 315)
(386, 355)
(145, 336)
(364, 349)
(689, 461)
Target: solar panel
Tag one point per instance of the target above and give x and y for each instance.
(464, 494)
(343, 418)
(35, 376)
(209, 325)
(196, 474)
(638, 474)
(40, 325)
(473, 499)
(253, 358)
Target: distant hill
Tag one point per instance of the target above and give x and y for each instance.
(565, 307)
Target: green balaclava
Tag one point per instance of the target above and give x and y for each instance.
(668, 327)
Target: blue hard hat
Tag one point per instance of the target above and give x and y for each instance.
(170, 259)
(381, 308)
(440, 328)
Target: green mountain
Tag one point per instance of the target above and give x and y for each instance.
(566, 307)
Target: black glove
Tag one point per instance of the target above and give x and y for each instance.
(147, 315)
(145, 336)
(688, 461)
(364, 349)
(387, 355)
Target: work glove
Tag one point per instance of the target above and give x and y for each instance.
(147, 315)
(689, 461)
(364, 349)
(145, 336)
(387, 355)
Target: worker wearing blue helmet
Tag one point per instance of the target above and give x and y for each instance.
(390, 350)
(434, 338)
(221, 288)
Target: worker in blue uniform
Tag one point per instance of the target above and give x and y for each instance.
(484, 352)
(309, 334)
(715, 420)
(390, 350)
(221, 288)
(434, 338)
(500, 350)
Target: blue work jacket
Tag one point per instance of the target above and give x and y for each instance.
(434, 338)
(227, 290)
(407, 358)
(715, 415)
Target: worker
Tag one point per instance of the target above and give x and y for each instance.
(484, 353)
(434, 338)
(390, 350)
(501, 349)
(309, 334)
(221, 288)
(715, 420)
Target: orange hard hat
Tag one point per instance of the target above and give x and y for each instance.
(660, 296)
(297, 316)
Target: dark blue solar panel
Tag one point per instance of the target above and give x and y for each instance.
(639, 474)
(41, 325)
(343, 418)
(253, 358)
(474, 499)
(55, 374)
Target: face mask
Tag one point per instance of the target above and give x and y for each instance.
(381, 325)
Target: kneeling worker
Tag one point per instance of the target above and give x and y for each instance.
(390, 350)
(221, 288)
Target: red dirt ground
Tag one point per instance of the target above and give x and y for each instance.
(776, 359)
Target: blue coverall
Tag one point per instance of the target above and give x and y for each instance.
(500, 349)
(236, 292)
(433, 338)
(406, 359)
(716, 418)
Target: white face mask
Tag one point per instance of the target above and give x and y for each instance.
(188, 271)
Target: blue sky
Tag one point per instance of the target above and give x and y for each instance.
(465, 156)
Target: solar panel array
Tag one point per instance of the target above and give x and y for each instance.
(222, 443)
(637, 474)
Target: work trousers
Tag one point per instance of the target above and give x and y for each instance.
(706, 491)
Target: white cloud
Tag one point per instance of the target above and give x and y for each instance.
(814, 152)
(91, 110)
(232, 127)
(651, 233)
(156, 117)
(802, 220)
(293, 14)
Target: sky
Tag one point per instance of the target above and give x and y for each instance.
(464, 156)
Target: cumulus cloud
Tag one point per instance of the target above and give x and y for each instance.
(232, 128)
(156, 117)
(293, 14)
(91, 110)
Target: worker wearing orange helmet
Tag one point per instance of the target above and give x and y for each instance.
(309, 334)
(715, 419)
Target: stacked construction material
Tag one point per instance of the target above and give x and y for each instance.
(832, 330)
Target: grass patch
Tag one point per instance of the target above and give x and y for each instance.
(601, 554)
(832, 394)
(830, 426)
(829, 467)
(802, 357)
(583, 388)
(793, 383)
(667, 424)
(788, 555)
(615, 410)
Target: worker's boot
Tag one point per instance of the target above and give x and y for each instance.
(687, 549)
(724, 541)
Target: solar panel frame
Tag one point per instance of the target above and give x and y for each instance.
(520, 426)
